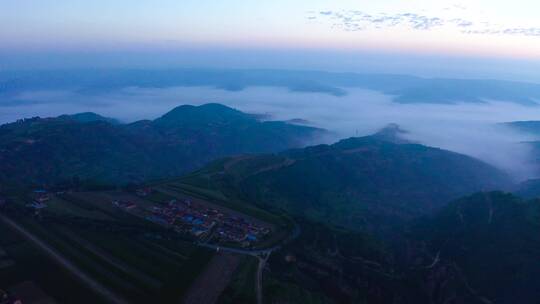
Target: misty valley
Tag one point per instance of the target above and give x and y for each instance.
(270, 152)
(209, 204)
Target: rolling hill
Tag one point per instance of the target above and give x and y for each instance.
(357, 182)
(89, 117)
(90, 147)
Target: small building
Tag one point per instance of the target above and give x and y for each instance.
(144, 191)
(43, 198)
(187, 218)
(36, 205)
(124, 205)
(290, 258)
(198, 231)
(158, 220)
(197, 222)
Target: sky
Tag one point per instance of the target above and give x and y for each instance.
(483, 35)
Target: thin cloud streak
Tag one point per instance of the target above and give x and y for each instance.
(355, 20)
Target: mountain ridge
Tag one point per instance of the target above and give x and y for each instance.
(44, 150)
(405, 88)
(354, 181)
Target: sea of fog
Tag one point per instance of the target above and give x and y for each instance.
(468, 128)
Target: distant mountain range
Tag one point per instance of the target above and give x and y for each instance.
(87, 146)
(355, 183)
(404, 89)
(529, 188)
(531, 127)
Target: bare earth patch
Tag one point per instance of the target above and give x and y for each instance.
(215, 278)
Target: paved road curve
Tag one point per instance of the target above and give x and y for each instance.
(261, 254)
(254, 252)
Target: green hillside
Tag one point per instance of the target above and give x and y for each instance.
(491, 240)
(89, 117)
(358, 182)
(87, 147)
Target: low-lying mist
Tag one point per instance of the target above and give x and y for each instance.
(470, 129)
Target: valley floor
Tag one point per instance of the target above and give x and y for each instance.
(112, 244)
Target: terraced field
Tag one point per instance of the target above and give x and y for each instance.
(32, 265)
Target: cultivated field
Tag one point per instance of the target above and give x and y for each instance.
(134, 258)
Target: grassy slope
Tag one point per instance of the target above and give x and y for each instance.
(493, 238)
(356, 183)
(32, 264)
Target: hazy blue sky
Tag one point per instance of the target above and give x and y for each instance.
(184, 32)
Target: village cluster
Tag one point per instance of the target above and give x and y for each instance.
(201, 221)
(40, 199)
(204, 222)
